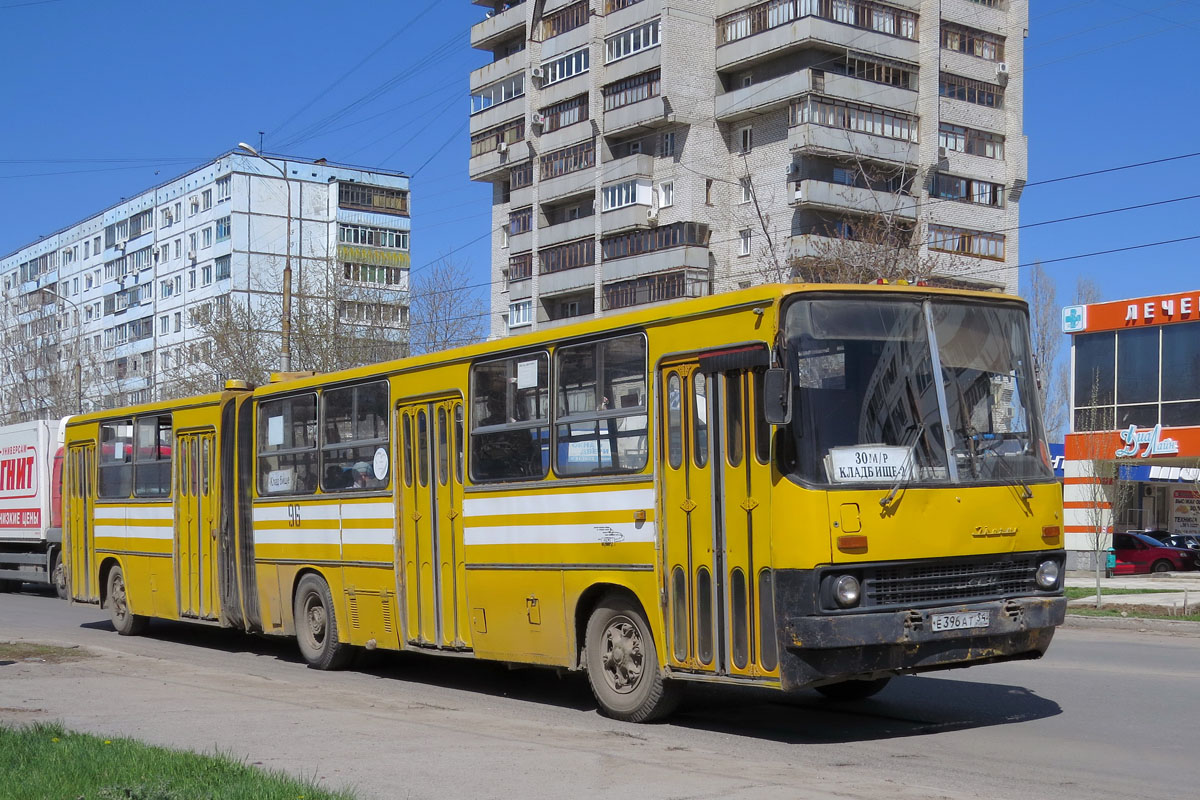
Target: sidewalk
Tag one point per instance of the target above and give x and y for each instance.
(1185, 587)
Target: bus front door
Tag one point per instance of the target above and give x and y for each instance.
(79, 547)
(430, 513)
(195, 531)
(715, 498)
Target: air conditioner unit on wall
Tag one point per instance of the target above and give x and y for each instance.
(539, 118)
(1002, 72)
(502, 148)
(191, 255)
(652, 215)
(537, 72)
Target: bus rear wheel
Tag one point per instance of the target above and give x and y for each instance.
(853, 690)
(622, 664)
(316, 625)
(125, 621)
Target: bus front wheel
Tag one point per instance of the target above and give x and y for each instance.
(622, 664)
(125, 621)
(316, 625)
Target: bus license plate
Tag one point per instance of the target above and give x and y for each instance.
(960, 620)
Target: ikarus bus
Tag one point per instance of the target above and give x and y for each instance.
(804, 486)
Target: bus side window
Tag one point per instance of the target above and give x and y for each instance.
(510, 421)
(115, 470)
(287, 446)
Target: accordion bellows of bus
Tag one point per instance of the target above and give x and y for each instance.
(802, 486)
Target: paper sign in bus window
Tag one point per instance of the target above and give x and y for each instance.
(275, 431)
(527, 374)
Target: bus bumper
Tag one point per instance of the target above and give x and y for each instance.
(819, 649)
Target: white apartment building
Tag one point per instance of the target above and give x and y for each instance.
(123, 295)
(643, 150)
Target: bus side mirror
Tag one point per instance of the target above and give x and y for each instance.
(777, 396)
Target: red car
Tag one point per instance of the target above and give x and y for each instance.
(1150, 555)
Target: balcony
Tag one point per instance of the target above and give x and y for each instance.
(570, 230)
(771, 43)
(691, 256)
(579, 182)
(498, 114)
(496, 71)
(817, 139)
(490, 32)
(626, 218)
(638, 165)
(839, 197)
(566, 280)
(494, 165)
(653, 112)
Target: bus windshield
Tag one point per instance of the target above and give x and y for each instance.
(871, 408)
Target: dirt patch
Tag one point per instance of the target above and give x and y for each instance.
(13, 652)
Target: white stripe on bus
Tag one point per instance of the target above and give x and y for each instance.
(368, 536)
(135, 512)
(626, 500)
(307, 512)
(128, 532)
(298, 536)
(613, 533)
(368, 511)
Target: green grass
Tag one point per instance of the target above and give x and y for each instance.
(45, 761)
(1076, 592)
(48, 653)
(1132, 612)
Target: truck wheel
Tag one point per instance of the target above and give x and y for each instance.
(853, 690)
(58, 575)
(125, 621)
(622, 664)
(316, 625)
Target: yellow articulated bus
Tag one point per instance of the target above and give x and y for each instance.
(786, 486)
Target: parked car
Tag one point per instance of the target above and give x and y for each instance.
(1147, 554)
(1182, 540)
(1154, 533)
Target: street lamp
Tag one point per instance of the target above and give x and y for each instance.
(78, 362)
(285, 325)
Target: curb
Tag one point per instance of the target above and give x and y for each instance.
(1179, 627)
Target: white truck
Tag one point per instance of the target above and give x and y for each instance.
(31, 504)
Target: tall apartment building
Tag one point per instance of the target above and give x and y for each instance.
(124, 295)
(643, 150)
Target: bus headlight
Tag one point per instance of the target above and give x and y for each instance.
(1047, 575)
(846, 591)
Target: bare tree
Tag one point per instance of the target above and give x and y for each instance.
(1086, 291)
(446, 310)
(1052, 382)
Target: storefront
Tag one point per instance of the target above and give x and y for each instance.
(1133, 454)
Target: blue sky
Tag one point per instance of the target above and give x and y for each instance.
(105, 99)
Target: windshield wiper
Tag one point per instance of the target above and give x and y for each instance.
(915, 430)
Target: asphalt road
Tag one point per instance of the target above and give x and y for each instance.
(1107, 714)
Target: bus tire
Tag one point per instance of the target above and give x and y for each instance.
(853, 690)
(622, 664)
(58, 575)
(125, 621)
(316, 625)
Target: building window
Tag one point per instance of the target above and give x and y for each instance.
(746, 190)
(969, 190)
(857, 13)
(969, 140)
(869, 69)
(384, 238)
(634, 40)
(521, 176)
(980, 44)
(178, 320)
(565, 19)
(569, 159)
(224, 188)
(191, 245)
(568, 112)
(652, 289)
(632, 90)
(957, 87)
(520, 221)
(374, 274)
(625, 193)
(745, 138)
(191, 279)
(667, 144)
(381, 199)
(664, 237)
(567, 256)
(853, 117)
(568, 66)
(497, 93)
(520, 313)
(744, 242)
(666, 194)
(978, 244)
(520, 267)
(207, 237)
(491, 139)
(206, 273)
(206, 199)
